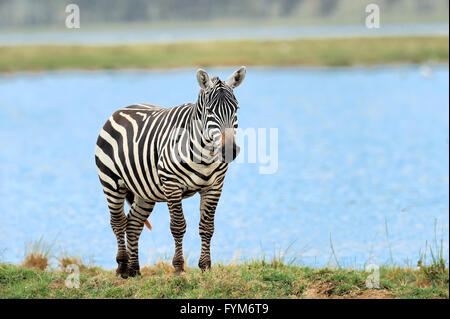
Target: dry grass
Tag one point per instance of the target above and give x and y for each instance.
(66, 261)
(160, 267)
(37, 254)
(36, 260)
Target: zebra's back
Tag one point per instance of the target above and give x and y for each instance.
(128, 148)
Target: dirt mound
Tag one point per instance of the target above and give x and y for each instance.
(324, 290)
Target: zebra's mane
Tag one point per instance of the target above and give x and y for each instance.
(215, 79)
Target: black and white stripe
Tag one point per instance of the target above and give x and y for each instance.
(147, 154)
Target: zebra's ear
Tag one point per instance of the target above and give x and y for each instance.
(236, 78)
(203, 79)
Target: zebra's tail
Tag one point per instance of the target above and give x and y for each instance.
(130, 199)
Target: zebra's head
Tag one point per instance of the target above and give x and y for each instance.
(219, 111)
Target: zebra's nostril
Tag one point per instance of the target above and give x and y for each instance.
(237, 149)
(230, 153)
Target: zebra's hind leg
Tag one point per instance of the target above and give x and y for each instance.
(119, 224)
(139, 212)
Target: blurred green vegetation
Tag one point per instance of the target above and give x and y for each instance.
(304, 52)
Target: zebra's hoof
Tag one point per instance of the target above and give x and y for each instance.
(180, 271)
(133, 272)
(178, 264)
(122, 270)
(205, 265)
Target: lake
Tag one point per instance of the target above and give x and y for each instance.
(359, 149)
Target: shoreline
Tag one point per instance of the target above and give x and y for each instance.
(356, 67)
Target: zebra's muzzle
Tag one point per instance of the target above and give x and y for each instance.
(229, 149)
(230, 153)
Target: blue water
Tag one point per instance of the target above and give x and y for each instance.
(358, 148)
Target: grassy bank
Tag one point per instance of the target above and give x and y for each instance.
(257, 279)
(307, 52)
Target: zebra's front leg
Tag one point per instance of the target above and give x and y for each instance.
(139, 212)
(177, 228)
(208, 204)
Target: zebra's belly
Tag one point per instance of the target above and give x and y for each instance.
(153, 198)
(189, 193)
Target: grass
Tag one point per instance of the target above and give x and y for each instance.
(256, 279)
(304, 52)
(251, 279)
(277, 277)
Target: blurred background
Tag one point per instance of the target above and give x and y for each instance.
(42, 13)
(142, 21)
(362, 118)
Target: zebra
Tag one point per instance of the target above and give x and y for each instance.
(147, 154)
